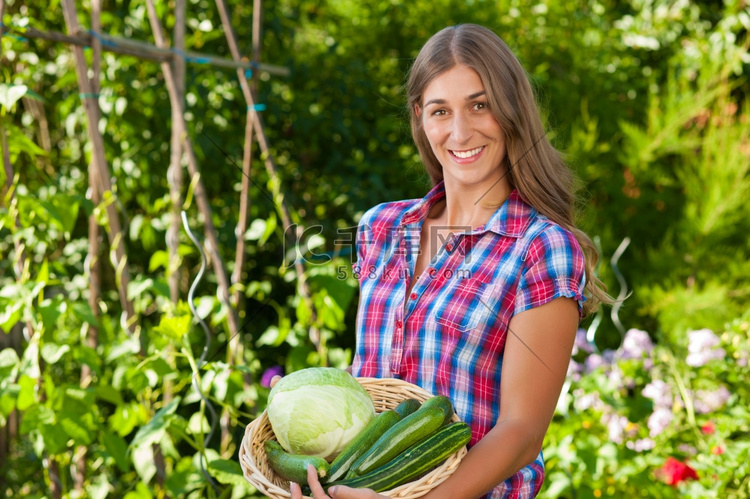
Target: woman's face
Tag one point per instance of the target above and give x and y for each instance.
(463, 133)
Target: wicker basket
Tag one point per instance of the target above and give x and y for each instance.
(386, 394)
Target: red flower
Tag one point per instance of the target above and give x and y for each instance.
(674, 472)
(708, 428)
(717, 450)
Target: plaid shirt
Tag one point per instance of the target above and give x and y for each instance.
(448, 336)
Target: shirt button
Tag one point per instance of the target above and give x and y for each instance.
(413, 296)
(398, 324)
(449, 247)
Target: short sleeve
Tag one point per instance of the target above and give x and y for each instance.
(554, 267)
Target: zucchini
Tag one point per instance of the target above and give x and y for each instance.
(415, 461)
(444, 403)
(293, 467)
(407, 432)
(407, 406)
(362, 442)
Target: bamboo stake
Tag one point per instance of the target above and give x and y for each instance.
(93, 264)
(175, 179)
(272, 170)
(145, 50)
(104, 185)
(174, 173)
(200, 193)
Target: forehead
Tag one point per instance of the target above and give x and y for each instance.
(459, 82)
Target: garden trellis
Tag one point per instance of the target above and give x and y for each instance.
(173, 58)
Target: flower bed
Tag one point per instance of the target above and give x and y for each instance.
(650, 420)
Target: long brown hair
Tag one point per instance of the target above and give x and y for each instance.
(535, 168)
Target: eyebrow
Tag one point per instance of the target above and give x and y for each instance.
(442, 101)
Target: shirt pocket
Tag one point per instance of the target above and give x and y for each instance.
(465, 308)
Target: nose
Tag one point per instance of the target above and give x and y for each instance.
(462, 129)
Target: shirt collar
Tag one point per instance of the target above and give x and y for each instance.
(510, 219)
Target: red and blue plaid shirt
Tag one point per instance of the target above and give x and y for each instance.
(448, 336)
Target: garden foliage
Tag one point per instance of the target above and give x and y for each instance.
(645, 97)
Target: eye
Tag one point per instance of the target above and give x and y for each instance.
(479, 106)
(439, 112)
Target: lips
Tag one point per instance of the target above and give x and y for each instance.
(467, 154)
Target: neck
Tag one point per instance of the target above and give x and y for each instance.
(468, 207)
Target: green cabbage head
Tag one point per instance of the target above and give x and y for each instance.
(317, 411)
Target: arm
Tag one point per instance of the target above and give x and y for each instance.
(537, 353)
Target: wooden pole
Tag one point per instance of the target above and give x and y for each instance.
(200, 192)
(93, 263)
(145, 51)
(254, 117)
(174, 174)
(103, 181)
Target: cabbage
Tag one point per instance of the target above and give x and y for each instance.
(317, 411)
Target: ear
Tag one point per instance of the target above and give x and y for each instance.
(417, 110)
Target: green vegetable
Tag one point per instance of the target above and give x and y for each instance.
(318, 411)
(415, 461)
(443, 403)
(407, 406)
(293, 467)
(410, 430)
(362, 443)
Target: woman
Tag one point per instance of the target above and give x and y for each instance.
(475, 291)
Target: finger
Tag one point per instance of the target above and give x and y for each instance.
(314, 483)
(274, 380)
(344, 492)
(295, 490)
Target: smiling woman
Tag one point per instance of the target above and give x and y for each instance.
(475, 291)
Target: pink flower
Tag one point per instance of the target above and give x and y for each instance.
(702, 348)
(710, 401)
(636, 344)
(673, 472)
(708, 428)
(658, 421)
(660, 392)
(616, 425)
(641, 445)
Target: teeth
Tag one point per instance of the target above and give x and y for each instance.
(467, 154)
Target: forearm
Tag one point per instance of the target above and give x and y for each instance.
(507, 448)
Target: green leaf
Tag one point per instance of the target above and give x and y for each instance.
(156, 428)
(98, 487)
(11, 314)
(10, 94)
(88, 356)
(82, 310)
(174, 327)
(143, 462)
(228, 472)
(52, 353)
(27, 397)
(8, 362)
(129, 346)
(55, 438)
(117, 447)
(142, 490)
(75, 430)
(159, 260)
(256, 231)
(109, 394)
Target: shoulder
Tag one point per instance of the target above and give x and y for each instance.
(386, 215)
(554, 245)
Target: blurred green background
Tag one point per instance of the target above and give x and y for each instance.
(646, 98)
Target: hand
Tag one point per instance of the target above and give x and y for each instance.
(336, 492)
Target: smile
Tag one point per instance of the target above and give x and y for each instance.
(467, 154)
